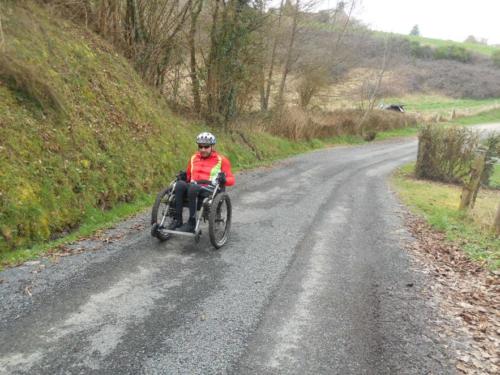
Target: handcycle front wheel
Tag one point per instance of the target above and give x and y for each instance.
(160, 208)
(219, 220)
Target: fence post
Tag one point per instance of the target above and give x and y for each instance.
(469, 192)
(496, 224)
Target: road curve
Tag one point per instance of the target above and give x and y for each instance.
(314, 280)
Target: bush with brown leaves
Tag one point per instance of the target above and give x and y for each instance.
(297, 124)
(445, 153)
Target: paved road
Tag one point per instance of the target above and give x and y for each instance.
(314, 280)
(487, 128)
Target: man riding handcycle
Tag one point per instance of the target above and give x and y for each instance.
(202, 189)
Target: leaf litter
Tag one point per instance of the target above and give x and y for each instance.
(468, 296)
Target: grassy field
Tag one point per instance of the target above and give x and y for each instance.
(474, 47)
(438, 103)
(481, 118)
(438, 203)
(482, 49)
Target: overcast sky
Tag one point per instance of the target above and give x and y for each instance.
(441, 19)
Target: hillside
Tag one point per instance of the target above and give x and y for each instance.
(79, 129)
(414, 65)
(478, 48)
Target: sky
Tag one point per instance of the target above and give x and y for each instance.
(441, 19)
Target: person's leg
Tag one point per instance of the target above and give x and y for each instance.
(180, 193)
(192, 194)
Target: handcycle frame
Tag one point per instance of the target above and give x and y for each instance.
(204, 212)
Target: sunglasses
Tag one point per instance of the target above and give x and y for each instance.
(204, 146)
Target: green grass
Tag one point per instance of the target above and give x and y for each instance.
(481, 118)
(474, 47)
(438, 203)
(435, 43)
(93, 220)
(404, 132)
(437, 103)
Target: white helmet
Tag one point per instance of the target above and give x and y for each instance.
(205, 138)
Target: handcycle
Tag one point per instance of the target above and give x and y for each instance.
(215, 208)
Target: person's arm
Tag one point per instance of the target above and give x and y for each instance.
(226, 168)
(189, 171)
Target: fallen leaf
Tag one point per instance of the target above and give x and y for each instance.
(462, 368)
(27, 290)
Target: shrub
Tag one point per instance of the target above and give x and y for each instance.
(496, 58)
(458, 80)
(492, 145)
(419, 51)
(452, 52)
(445, 153)
(297, 124)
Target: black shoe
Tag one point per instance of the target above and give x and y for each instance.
(189, 226)
(174, 224)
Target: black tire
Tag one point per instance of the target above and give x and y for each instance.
(162, 236)
(157, 204)
(155, 232)
(220, 212)
(159, 208)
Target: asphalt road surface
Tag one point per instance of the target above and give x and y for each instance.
(314, 280)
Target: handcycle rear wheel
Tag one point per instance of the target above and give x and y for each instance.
(219, 220)
(160, 208)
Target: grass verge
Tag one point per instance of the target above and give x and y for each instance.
(396, 133)
(438, 203)
(94, 220)
(481, 118)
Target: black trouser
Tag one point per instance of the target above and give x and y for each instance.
(193, 192)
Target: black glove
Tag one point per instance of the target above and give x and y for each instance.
(221, 177)
(182, 176)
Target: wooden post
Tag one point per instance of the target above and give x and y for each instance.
(496, 224)
(469, 192)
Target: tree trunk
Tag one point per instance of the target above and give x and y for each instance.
(211, 66)
(168, 45)
(195, 10)
(373, 95)
(102, 18)
(469, 192)
(176, 85)
(288, 60)
(133, 24)
(2, 38)
(269, 83)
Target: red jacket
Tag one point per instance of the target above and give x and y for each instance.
(208, 168)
